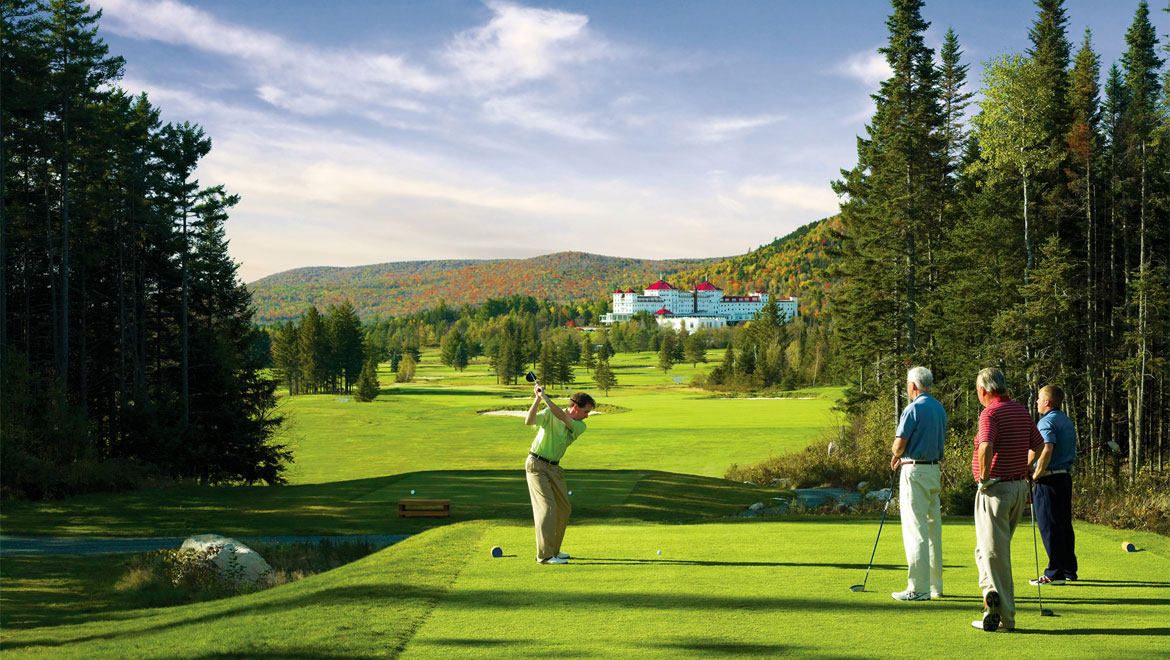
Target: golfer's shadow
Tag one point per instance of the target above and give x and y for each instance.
(617, 561)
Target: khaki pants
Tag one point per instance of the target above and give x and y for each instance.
(997, 512)
(921, 527)
(550, 505)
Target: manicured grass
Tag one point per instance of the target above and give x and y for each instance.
(722, 588)
(431, 424)
(369, 506)
(718, 590)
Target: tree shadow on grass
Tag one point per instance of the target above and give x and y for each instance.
(717, 647)
(611, 561)
(476, 642)
(1119, 583)
(1143, 632)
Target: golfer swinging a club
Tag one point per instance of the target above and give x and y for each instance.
(546, 479)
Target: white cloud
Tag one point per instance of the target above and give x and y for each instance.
(522, 44)
(295, 76)
(523, 111)
(718, 129)
(783, 195)
(869, 67)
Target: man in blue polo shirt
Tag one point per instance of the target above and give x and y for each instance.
(918, 447)
(1052, 493)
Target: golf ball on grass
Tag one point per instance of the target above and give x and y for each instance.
(497, 552)
(412, 492)
(570, 492)
(659, 552)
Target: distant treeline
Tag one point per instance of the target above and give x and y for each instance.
(321, 354)
(126, 342)
(1034, 239)
(405, 288)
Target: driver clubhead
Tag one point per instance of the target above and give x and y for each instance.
(857, 587)
(530, 377)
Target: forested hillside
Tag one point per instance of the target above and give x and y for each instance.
(795, 265)
(402, 288)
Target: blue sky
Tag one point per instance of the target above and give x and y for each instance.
(362, 132)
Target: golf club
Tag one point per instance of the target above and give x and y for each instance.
(1036, 553)
(890, 496)
(531, 377)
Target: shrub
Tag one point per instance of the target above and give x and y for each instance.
(171, 577)
(861, 452)
(1144, 505)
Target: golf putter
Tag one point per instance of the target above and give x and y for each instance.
(861, 587)
(1036, 553)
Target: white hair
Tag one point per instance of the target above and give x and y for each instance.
(921, 377)
(991, 380)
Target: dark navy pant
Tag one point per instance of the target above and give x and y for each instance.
(1053, 498)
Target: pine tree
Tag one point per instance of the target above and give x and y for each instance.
(588, 358)
(368, 387)
(1141, 65)
(666, 354)
(696, 349)
(548, 369)
(893, 197)
(311, 350)
(604, 377)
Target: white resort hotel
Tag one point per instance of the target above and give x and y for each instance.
(705, 307)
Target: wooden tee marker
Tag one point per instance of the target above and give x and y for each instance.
(417, 508)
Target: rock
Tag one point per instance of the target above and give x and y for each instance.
(757, 506)
(751, 483)
(235, 561)
(878, 494)
(781, 482)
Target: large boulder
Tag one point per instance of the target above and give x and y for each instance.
(234, 561)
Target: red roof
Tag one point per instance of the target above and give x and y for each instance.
(707, 286)
(619, 291)
(659, 286)
(664, 310)
(630, 291)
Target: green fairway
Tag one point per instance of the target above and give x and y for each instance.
(431, 424)
(718, 590)
(645, 478)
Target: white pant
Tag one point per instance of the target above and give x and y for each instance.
(921, 527)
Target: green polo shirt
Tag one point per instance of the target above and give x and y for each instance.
(553, 437)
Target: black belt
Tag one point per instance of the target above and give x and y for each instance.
(914, 462)
(542, 458)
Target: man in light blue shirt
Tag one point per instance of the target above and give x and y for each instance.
(918, 448)
(1052, 494)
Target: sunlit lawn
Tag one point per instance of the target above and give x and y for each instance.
(645, 478)
(431, 424)
(718, 590)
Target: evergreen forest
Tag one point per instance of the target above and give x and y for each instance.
(127, 346)
(1032, 237)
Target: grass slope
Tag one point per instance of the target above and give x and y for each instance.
(718, 590)
(368, 506)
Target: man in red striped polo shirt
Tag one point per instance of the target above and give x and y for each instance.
(1000, 466)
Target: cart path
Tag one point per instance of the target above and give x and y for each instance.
(92, 545)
